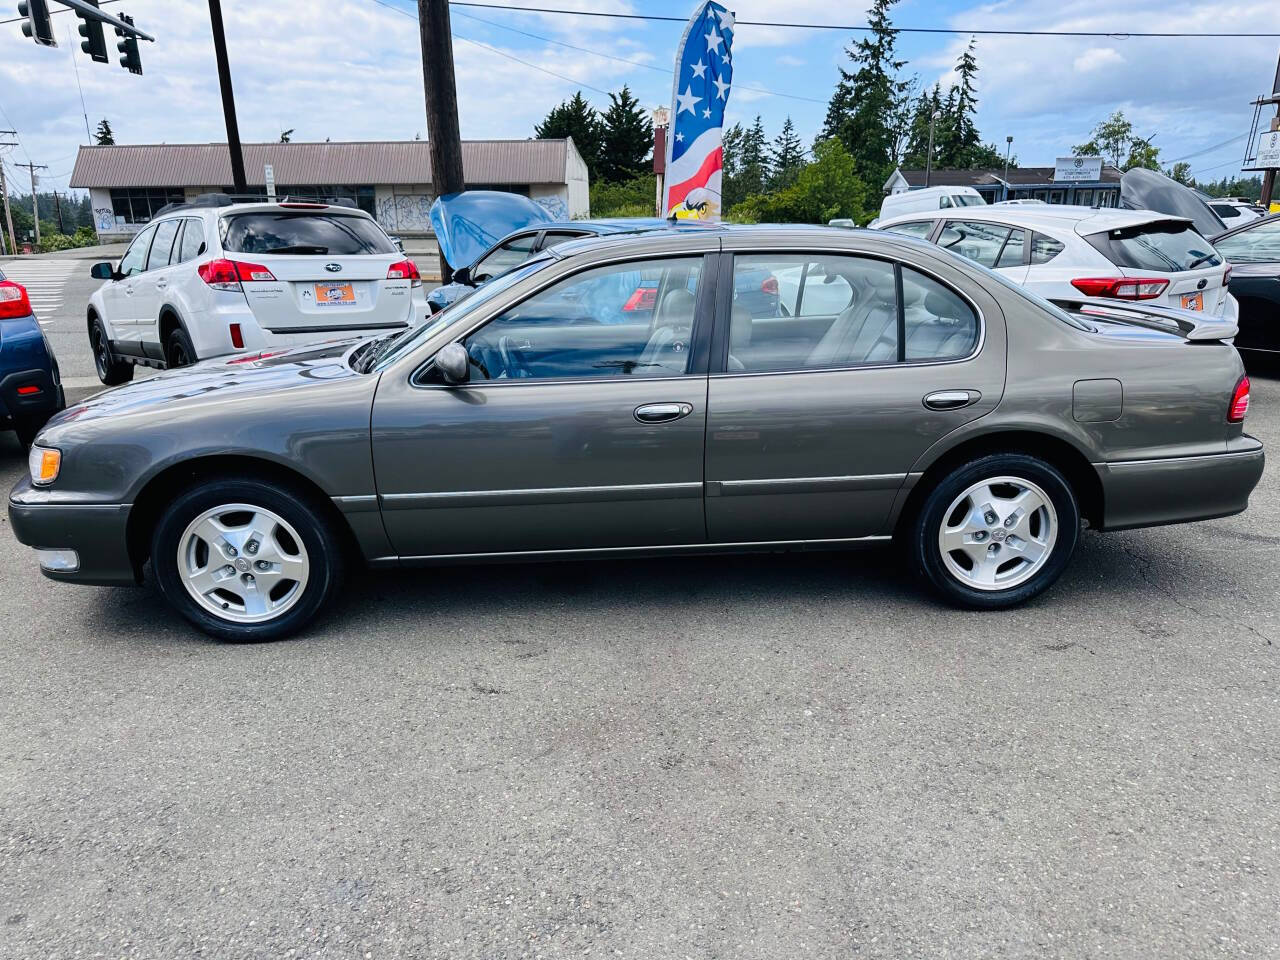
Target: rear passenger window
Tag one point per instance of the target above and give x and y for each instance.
(1011, 255)
(940, 325)
(192, 238)
(979, 242)
(166, 232)
(1044, 249)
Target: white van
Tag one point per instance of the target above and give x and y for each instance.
(930, 198)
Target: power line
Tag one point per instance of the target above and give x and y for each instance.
(864, 28)
(1216, 146)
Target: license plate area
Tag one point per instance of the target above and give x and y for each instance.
(1193, 301)
(335, 295)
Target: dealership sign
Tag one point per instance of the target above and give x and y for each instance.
(1077, 170)
(1268, 150)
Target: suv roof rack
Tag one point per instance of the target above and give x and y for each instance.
(206, 200)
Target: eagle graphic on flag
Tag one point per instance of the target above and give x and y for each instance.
(704, 70)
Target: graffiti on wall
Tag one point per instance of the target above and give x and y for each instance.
(555, 206)
(105, 218)
(405, 211)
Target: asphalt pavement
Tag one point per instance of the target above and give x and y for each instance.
(779, 756)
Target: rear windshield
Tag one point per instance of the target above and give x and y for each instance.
(321, 234)
(1169, 247)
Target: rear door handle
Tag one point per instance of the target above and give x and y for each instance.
(951, 399)
(662, 412)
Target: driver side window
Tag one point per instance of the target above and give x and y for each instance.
(136, 256)
(622, 320)
(515, 251)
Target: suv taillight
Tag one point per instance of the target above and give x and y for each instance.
(405, 270)
(14, 302)
(229, 274)
(1226, 275)
(1121, 288)
(1239, 402)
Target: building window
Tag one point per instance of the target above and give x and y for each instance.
(140, 204)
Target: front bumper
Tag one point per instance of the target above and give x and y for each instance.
(1147, 493)
(95, 531)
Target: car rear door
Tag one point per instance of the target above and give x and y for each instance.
(582, 426)
(317, 270)
(815, 419)
(996, 246)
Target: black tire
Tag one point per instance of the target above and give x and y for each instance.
(322, 545)
(925, 530)
(178, 350)
(111, 370)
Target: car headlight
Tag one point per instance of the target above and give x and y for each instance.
(43, 464)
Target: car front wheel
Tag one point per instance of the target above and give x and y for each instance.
(246, 560)
(111, 372)
(996, 531)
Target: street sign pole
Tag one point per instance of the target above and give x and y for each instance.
(443, 135)
(228, 97)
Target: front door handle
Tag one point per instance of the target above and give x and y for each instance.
(951, 399)
(161, 284)
(662, 412)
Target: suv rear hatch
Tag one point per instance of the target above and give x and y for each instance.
(318, 269)
(1184, 269)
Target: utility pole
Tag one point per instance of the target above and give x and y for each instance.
(57, 205)
(35, 200)
(228, 97)
(443, 135)
(4, 191)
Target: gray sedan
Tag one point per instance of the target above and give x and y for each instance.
(617, 397)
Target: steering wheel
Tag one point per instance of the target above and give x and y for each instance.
(512, 359)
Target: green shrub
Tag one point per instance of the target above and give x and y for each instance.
(634, 198)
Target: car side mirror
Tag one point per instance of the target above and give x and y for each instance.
(102, 271)
(454, 364)
(462, 275)
(399, 243)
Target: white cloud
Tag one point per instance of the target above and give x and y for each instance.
(1097, 58)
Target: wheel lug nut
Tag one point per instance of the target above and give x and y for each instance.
(231, 551)
(991, 518)
(251, 547)
(1009, 522)
(980, 535)
(262, 565)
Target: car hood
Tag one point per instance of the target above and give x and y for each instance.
(1142, 189)
(469, 223)
(223, 378)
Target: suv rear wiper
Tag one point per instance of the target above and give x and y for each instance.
(299, 248)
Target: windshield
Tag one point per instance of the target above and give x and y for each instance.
(327, 234)
(965, 200)
(411, 338)
(1257, 244)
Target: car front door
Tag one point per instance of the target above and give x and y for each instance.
(581, 426)
(815, 419)
(120, 295)
(149, 293)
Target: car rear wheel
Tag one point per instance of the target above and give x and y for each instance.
(246, 560)
(996, 531)
(111, 371)
(178, 351)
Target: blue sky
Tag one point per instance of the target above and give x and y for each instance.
(355, 72)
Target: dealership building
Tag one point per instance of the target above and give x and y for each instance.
(1078, 180)
(389, 179)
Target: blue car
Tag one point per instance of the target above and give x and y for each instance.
(484, 233)
(30, 385)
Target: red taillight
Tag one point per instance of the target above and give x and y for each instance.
(642, 298)
(1121, 288)
(1226, 275)
(30, 390)
(237, 336)
(1239, 402)
(229, 274)
(405, 270)
(14, 302)
(770, 285)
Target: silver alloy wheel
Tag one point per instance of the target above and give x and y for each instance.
(243, 563)
(998, 533)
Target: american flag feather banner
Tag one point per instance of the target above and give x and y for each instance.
(704, 70)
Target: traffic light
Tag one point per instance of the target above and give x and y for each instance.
(94, 43)
(38, 26)
(129, 48)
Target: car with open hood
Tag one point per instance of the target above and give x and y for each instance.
(920, 398)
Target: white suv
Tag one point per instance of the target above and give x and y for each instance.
(213, 277)
(1065, 252)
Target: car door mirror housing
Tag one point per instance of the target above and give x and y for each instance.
(454, 364)
(462, 275)
(102, 271)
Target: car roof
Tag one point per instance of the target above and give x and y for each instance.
(1084, 220)
(765, 233)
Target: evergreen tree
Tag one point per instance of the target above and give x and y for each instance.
(577, 119)
(928, 103)
(786, 157)
(861, 109)
(103, 134)
(964, 131)
(731, 192)
(753, 170)
(627, 137)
